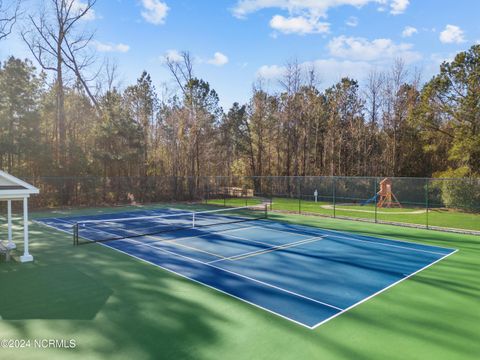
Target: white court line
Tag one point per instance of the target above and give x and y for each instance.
(56, 219)
(389, 245)
(166, 216)
(208, 286)
(175, 241)
(249, 240)
(231, 272)
(266, 251)
(284, 231)
(372, 241)
(159, 239)
(221, 257)
(53, 227)
(222, 232)
(254, 304)
(195, 280)
(349, 236)
(381, 291)
(237, 274)
(388, 239)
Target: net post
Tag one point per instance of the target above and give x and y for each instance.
(266, 211)
(193, 220)
(75, 234)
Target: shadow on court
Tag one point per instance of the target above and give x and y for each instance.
(107, 301)
(50, 292)
(148, 313)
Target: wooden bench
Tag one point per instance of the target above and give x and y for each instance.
(6, 251)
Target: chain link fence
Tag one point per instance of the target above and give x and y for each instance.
(452, 204)
(444, 204)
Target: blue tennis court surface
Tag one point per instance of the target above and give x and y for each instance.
(304, 274)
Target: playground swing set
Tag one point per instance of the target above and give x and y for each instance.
(385, 198)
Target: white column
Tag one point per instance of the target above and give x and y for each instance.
(26, 257)
(11, 244)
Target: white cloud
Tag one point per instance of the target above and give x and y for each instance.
(432, 66)
(304, 15)
(438, 59)
(155, 11)
(355, 48)
(78, 6)
(409, 31)
(298, 25)
(172, 55)
(452, 34)
(352, 21)
(399, 6)
(329, 71)
(176, 56)
(317, 8)
(270, 72)
(218, 59)
(109, 47)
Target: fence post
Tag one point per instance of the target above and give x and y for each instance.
(334, 197)
(224, 192)
(427, 203)
(271, 193)
(375, 200)
(207, 189)
(299, 191)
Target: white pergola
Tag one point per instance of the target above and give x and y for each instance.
(13, 189)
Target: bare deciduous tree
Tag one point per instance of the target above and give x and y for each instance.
(112, 74)
(55, 43)
(8, 17)
(373, 95)
(181, 69)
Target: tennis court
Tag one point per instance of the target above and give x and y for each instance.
(305, 274)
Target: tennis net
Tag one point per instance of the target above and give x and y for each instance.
(94, 231)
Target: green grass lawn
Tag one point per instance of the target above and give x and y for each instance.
(436, 217)
(116, 306)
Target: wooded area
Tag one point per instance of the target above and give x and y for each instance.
(57, 119)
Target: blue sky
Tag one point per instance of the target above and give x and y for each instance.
(234, 42)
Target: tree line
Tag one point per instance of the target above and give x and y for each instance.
(61, 114)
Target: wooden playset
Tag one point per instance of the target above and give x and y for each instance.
(386, 198)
